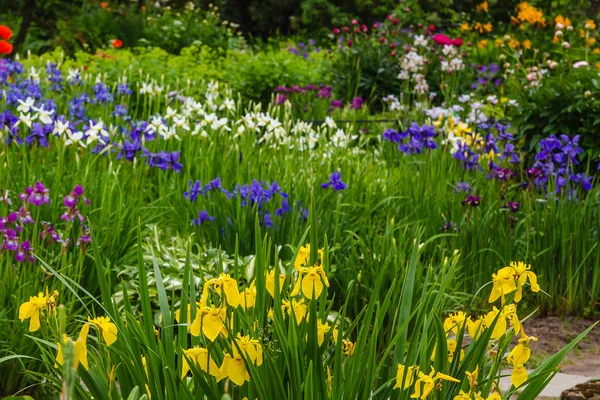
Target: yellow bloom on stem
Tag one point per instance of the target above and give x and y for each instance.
(476, 327)
(235, 368)
(225, 284)
(454, 322)
(494, 396)
(411, 372)
(500, 326)
(80, 346)
(108, 329)
(32, 309)
(213, 322)
(348, 347)
(487, 27)
(482, 7)
(249, 296)
(51, 301)
(251, 348)
(518, 356)
(511, 278)
(270, 282)
(298, 307)
(303, 257)
(311, 280)
(527, 44)
(322, 329)
(200, 358)
(472, 377)
(426, 383)
(510, 313)
(482, 44)
(465, 27)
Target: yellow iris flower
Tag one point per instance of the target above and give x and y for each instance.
(32, 309)
(410, 376)
(108, 329)
(298, 307)
(270, 282)
(251, 348)
(426, 383)
(80, 348)
(201, 359)
(512, 278)
(311, 281)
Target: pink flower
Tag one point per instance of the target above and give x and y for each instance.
(350, 43)
(457, 42)
(336, 31)
(442, 39)
(354, 22)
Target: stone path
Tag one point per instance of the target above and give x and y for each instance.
(560, 383)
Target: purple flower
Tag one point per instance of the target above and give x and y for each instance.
(39, 133)
(48, 232)
(471, 201)
(195, 190)
(356, 103)
(335, 182)
(24, 252)
(202, 217)
(337, 104)
(513, 206)
(462, 187)
(11, 240)
(36, 195)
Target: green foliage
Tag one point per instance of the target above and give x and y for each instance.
(567, 103)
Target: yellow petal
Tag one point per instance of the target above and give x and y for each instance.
(236, 370)
(518, 376)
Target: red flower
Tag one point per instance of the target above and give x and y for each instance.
(117, 44)
(364, 28)
(431, 28)
(346, 29)
(350, 43)
(393, 45)
(457, 42)
(336, 31)
(5, 47)
(5, 32)
(442, 39)
(395, 21)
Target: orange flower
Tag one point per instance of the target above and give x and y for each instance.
(465, 27)
(596, 51)
(488, 27)
(5, 47)
(482, 44)
(590, 24)
(103, 4)
(563, 21)
(530, 14)
(117, 44)
(482, 7)
(5, 32)
(527, 44)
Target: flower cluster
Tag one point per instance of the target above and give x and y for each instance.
(414, 139)
(508, 285)
(256, 194)
(556, 162)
